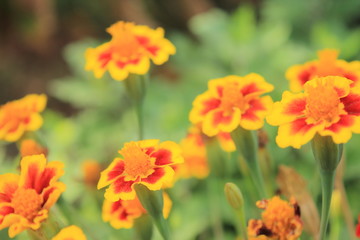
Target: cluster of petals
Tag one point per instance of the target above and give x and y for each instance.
(280, 220)
(19, 116)
(358, 228)
(329, 106)
(123, 213)
(129, 51)
(70, 233)
(231, 102)
(146, 162)
(25, 199)
(327, 65)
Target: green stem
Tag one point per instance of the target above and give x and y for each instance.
(242, 223)
(327, 181)
(37, 235)
(247, 147)
(152, 201)
(143, 227)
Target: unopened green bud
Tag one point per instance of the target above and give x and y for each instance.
(326, 152)
(234, 196)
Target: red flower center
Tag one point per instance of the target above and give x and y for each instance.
(137, 162)
(27, 203)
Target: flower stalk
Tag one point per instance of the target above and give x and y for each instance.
(152, 201)
(327, 154)
(136, 87)
(246, 145)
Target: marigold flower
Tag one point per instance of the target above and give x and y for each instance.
(25, 199)
(230, 102)
(122, 213)
(146, 162)
(328, 107)
(195, 157)
(280, 220)
(30, 147)
(70, 233)
(19, 116)
(129, 51)
(327, 65)
(91, 170)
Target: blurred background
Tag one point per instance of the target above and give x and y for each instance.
(42, 45)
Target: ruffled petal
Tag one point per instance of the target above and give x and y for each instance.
(110, 174)
(216, 121)
(158, 178)
(253, 118)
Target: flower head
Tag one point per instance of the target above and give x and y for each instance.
(129, 51)
(21, 115)
(280, 220)
(358, 228)
(195, 158)
(146, 162)
(230, 102)
(25, 199)
(122, 213)
(328, 106)
(91, 170)
(31, 147)
(327, 65)
(70, 233)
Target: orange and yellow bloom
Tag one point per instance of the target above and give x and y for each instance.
(91, 170)
(19, 116)
(280, 220)
(327, 65)
(231, 102)
(25, 199)
(122, 213)
(146, 162)
(328, 106)
(30, 147)
(70, 233)
(129, 51)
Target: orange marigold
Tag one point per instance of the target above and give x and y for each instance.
(280, 221)
(25, 199)
(129, 51)
(91, 170)
(230, 102)
(327, 65)
(19, 116)
(70, 233)
(122, 213)
(30, 147)
(146, 162)
(328, 106)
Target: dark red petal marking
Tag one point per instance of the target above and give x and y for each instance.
(155, 176)
(300, 126)
(149, 150)
(105, 58)
(32, 176)
(306, 74)
(123, 215)
(46, 194)
(350, 76)
(295, 107)
(219, 90)
(219, 117)
(4, 198)
(162, 157)
(255, 106)
(44, 179)
(115, 206)
(250, 88)
(121, 185)
(5, 210)
(116, 171)
(142, 40)
(121, 64)
(153, 50)
(344, 122)
(209, 104)
(351, 104)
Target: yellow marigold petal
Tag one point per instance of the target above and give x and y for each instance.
(8, 183)
(216, 121)
(111, 173)
(176, 152)
(113, 194)
(290, 107)
(56, 189)
(340, 84)
(158, 178)
(253, 118)
(70, 233)
(16, 224)
(167, 205)
(31, 168)
(226, 142)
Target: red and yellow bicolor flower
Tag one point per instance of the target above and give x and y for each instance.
(327, 65)
(280, 220)
(25, 199)
(231, 102)
(146, 162)
(19, 116)
(129, 51)
(70, 233)
(122, 213)
(328, 106)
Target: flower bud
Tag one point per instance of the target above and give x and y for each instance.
(234, 196)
